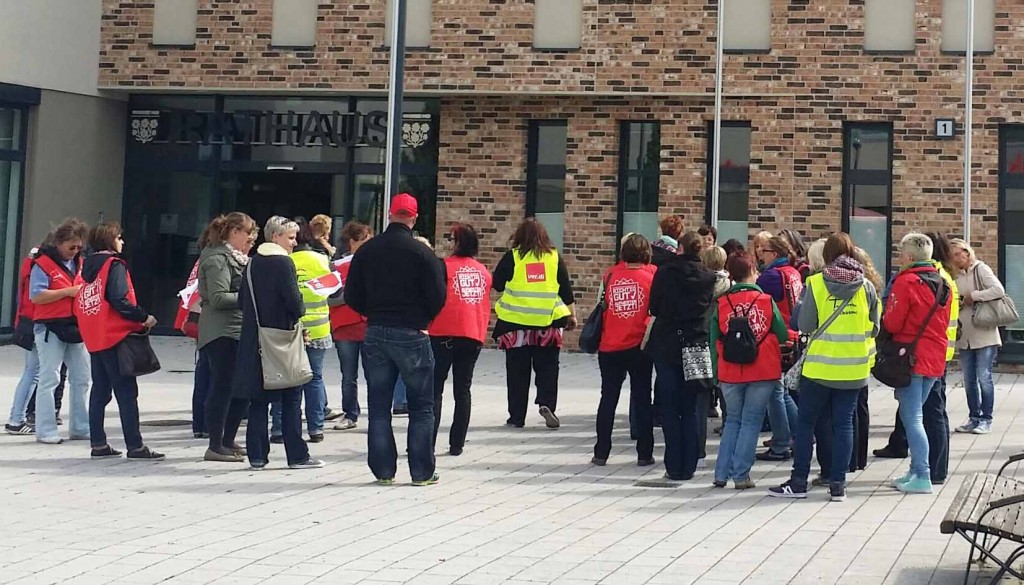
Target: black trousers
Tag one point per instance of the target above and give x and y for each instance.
(106, 381)
(936, 426)
(704, 398)
(223, 413)
(861, 432)
(519, 361)
(257, 438)
(615, 366)
(58, 393)
(458, 354)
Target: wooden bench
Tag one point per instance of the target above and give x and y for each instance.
(989, 506)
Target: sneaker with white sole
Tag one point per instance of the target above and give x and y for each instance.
(55, 440)
(789, 490)
(19, 429)
(968, 426)
(307, 464)
(984, 427)
(917, 485)
(549, 418)
(346, 424)
(897, 481)
(837, 491)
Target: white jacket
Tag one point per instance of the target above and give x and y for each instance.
(972, 337)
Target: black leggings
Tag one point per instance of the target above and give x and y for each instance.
(223, 413)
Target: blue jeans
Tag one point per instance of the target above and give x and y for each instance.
(52, 353)
(401, 395)
(390, 353)
(981, 390)
(745, 404)
(817, 402)
(315, 394)
(109, 382)
(678, 421)
(348, 355)
(23, 392)
(912, 400)
(782, 416)
(200, 390)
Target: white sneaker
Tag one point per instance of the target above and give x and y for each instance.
(54, 440)
(307, 464)
(968, 426)
(702, 463)
(345, 424)
(984, 427)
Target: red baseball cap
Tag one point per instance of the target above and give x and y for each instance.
(404, 204)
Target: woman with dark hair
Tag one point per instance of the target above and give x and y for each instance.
(459, 330)
(536, 305)
(348, 328)
(107, 314)
(798, 252)
(626, 291)
(732, 246)
(681, 295)
(52, 291)
(220, 324)
(269, 297)
(310, 264)
(710, 235)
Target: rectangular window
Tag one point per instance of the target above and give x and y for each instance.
(417, 24)
(889, 25)
(867, 189)
(557, 24)
(1011, 217)
(294, 23)
(12, 161)
(954, 26)
(734, 180)
(639, 178)
(747, 25)
(545, 175)
(174, 22)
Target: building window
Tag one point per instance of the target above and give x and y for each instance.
(734, 180)
(557, 24)
(1011, 217)
(294, 23)
(12, 164)
(417, 24)
(747, 25)
(174, 22)
(954, 26)
(889, 25)
(639, 178)
(545, 175)
(867, 189)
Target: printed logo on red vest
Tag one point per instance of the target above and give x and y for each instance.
(795, 284)
(536, 272)
(626, 298)
(90, 298)
(471, 286)
(759, 321)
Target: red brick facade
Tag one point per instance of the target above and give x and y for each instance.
(640, 60)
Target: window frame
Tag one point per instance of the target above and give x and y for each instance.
(536, 171)
(17, 156)
(167, 46)
(1011, 352)
(726, 175)
(870, 178)
(386, 40)
(864, 30)
(977, 52)
(625, 173)
(533, 40)
(751, 51)
(293, 47)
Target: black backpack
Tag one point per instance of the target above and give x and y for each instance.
(739, 345)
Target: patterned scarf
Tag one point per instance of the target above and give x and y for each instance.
(239, 257)
(845, 270)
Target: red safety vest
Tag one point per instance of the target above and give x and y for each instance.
(627, 298)
(343, 315)
(59, 279)
(793, 288)
(102, 327)
(768, 365)
(26, 309)
(182, 316)
(467, 310)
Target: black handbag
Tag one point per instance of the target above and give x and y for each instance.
(24, 335)
(590, 335)
(894, 361)
(135, 356)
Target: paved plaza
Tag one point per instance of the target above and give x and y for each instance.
(519, 506)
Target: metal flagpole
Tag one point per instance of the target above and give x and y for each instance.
(393, 164)
(716, 164)
(968, 119)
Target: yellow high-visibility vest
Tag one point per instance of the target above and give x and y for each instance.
(531, 297)
(310, 265)
(954, 310)
(844, 351)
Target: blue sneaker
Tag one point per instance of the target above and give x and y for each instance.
(896, 481)
(917, 485)
(968, 426)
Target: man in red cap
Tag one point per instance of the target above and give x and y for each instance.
(399, 285)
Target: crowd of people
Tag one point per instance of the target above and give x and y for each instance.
(783, 337)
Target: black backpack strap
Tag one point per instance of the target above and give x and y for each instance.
(940, 294)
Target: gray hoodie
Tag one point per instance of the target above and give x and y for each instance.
(807, 317)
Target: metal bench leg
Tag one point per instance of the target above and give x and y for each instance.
(1008, 566)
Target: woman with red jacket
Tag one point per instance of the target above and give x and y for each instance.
(348, 328)
(627, 294)
(917, 312)
(459, 330)
(107, 313)
(747, 387)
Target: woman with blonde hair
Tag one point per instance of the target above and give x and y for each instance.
(321, 226)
